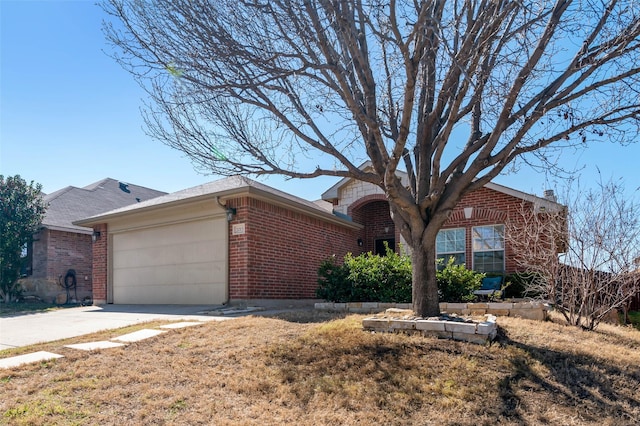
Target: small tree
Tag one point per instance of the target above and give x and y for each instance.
(21, 211)
(582, 261)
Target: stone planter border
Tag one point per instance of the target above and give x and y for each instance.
(480, 332)
(533, 310)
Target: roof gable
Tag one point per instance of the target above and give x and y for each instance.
(334, 192)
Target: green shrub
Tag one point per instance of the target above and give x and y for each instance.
(457, 283)
(380, 278)
(366, 278)
(333, 281)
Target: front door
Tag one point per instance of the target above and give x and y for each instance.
(380, 246)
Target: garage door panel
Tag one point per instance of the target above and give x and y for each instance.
(167, 275)
(195, 294)
(176, 254)
(183, 263)
(182, 233)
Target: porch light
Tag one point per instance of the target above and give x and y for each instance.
(360, 242)
(231, 212)
(95, 236)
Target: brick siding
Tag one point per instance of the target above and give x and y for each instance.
(281, 250)
(100, 265)
(55, 253)
(490, 207)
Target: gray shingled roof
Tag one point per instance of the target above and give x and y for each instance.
(70, 204)
(220, 188)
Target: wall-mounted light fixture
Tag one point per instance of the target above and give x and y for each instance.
(360, 242)
(231, 212)
(468, 212)
(95, 236)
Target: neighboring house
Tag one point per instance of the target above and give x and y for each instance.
(60, 246)
(237, 240)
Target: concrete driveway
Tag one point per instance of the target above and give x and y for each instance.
(28, 329)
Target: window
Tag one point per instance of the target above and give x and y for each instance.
(451, 243)
(488, 248)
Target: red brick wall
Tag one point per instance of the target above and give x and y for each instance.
(281, 250)
(100, 265)
(489, 208)
(54, 253)
(39, 254)
(278, 255)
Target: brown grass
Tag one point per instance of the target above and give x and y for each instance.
(304, 371)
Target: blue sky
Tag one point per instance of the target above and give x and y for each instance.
(69, 115)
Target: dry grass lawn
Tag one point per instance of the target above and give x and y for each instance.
(274, 371)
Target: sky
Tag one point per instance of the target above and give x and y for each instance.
(70, 115)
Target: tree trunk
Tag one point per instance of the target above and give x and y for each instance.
(424, 284)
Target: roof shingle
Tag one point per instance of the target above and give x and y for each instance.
(71, 203)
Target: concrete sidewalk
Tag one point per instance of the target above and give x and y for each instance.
(29, 329)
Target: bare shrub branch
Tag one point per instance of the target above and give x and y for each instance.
(583, 257)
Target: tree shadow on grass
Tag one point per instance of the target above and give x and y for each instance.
(307, 316)
(596, 390)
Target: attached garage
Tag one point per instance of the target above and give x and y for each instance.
(232, 240)
(169, 250)
(181, 263)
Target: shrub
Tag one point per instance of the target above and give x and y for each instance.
(457, 283)
(366, 278)
(333, 281)
(380, 278)
(372, 278)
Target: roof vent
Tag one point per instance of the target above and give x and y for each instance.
(124, 187)
(550, 195)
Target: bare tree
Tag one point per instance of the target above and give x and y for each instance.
(582, 259)
(450, 91)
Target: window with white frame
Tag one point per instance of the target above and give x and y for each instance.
(451, 243)
(488, 248)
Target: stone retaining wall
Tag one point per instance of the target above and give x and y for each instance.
(532, 310)
(480, 332)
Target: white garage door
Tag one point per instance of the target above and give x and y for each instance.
(183, 263)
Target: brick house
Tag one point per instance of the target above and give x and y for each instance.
(473, 235)
(237, 240)
(60, 246)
